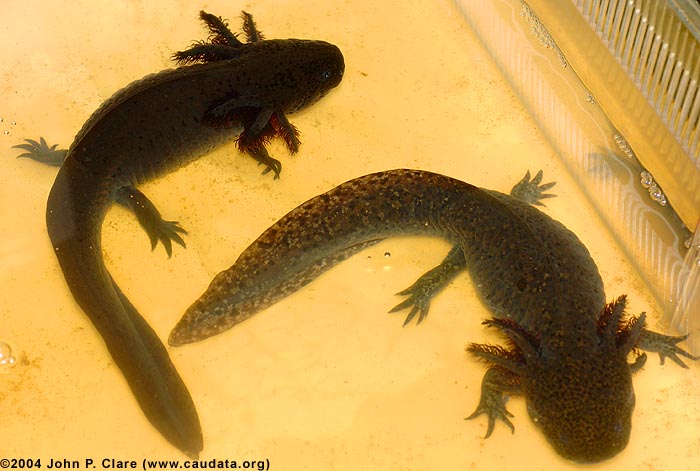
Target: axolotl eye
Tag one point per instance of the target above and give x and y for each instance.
(326, 75)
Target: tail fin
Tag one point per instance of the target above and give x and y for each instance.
(74, 215)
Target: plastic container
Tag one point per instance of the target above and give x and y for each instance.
(325, 379)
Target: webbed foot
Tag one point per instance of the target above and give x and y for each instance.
(150, 219)
(166, 232)
(496, 384)
(530, 191)
(494, 405)
(42, 152)
(421, 293)
(665, 346)
(261, 155)
(260, 125)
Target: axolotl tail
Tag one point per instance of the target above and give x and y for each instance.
(74, 216)
(511, 250)
(317, 235)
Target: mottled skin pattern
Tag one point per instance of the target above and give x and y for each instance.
(154, 126)
(567, 350)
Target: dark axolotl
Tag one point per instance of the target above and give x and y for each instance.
(567, 349)
(226, 89)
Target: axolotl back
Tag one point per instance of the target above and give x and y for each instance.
(229, 91)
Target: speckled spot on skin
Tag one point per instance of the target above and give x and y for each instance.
(568, 349)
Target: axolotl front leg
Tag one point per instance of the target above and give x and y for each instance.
(260, 124)
(259, 120)
(508, 370)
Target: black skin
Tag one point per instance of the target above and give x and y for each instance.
(567, 350)
(129, 197)
(224, 90)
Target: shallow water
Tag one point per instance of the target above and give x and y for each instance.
(325, 379)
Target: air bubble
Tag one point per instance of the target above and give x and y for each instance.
(7, 360)
(387, 254)
(624, 147)
(647, 181)
(6, 132)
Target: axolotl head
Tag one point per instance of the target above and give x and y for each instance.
(583, 405)
(292, 74)
(580, 396)
(319, 71)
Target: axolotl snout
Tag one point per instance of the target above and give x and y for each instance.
(567, 350)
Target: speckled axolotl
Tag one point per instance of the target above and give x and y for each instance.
(153, 126)
(567, 350)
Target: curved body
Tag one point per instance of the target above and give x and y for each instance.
(523, 262)
(568, 350)
(154, 126)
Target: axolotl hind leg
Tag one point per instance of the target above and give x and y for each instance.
(42, 152)
(129, 197)
(157, 228)
(528, 190)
